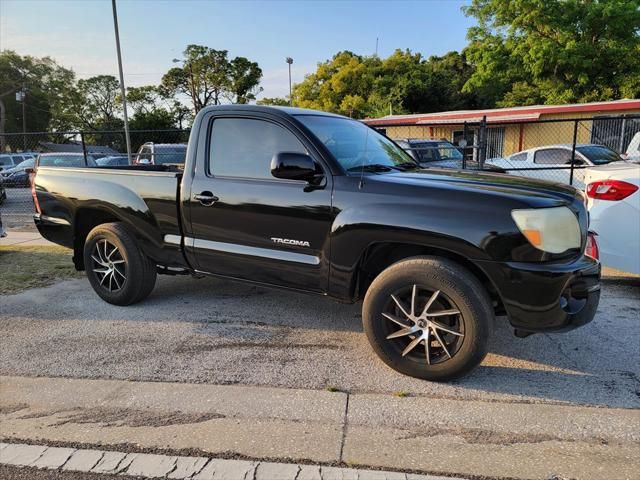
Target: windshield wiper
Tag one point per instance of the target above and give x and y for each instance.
(407, 166)
(371, 167)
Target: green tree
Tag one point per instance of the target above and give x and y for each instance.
(244, 80)
(46, 84)
(96, 104)
(554, 51)
(276, 101)
(207, 76)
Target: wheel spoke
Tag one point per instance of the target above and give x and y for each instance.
(103, 278)
(394, 319)
(98, 261)
(115, 279)
(401, 333)
(110, 281)
(400, 306)
(445, 329)
(115, 249)
(430, 302)
(427, 350)
(413, 299)
(102, 271)
(117, 261)
(444, 313)
(411, 346)
(444, 346)
(120, 273)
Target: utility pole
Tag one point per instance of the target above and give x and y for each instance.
(290, 61)
(376, 46)
(122, 88)
(23, 98)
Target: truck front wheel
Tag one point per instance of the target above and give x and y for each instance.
(117, 269)
(428, 317)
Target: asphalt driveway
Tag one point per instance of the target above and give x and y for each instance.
(219, 332)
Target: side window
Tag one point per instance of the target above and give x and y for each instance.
(518, 157)
(242, 147)
(552, 156)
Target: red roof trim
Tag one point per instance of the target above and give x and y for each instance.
(501, 112)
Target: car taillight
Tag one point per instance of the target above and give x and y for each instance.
(610, 190)
(592, 246)
(33, 192)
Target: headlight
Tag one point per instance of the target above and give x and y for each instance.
(553, 230)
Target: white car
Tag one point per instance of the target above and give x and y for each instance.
(613, 200)
(633, 150)
(552, 162)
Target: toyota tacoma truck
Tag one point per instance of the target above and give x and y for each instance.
(319, 203)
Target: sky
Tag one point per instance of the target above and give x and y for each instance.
(79, 33)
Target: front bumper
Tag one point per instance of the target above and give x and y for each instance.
(541, 297)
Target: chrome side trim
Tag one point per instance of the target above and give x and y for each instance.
(252, 251)
(54, 220)
(172, 239)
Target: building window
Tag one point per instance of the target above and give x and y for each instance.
(614, 132)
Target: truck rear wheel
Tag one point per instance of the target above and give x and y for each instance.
(428, 317)
(117, 269)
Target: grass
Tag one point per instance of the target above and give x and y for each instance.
(401, 394)
(331, 388)
(22, 268)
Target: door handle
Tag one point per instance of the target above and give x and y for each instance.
(206, 198)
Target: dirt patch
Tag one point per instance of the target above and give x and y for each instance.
(30, 267)
(113, 417)
(487, 437)
(9, 409)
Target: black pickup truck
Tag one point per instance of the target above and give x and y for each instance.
(319, 203)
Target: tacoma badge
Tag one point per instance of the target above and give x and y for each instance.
(288, 241)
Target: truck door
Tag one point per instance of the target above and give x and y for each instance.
(245, 223)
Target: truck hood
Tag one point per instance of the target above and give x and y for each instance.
(496, 183)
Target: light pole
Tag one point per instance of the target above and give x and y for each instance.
(290, 61)
(122, 89)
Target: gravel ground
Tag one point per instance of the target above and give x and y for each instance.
(215, 331)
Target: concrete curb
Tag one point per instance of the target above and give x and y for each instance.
(177, 467)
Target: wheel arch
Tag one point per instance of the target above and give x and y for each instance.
(86, 219)
(380, 255)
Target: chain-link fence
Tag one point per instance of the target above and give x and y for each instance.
(558, 150)
(18, 152)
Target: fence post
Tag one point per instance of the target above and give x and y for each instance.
(482, 152)
(84, 149)
(573, 150)
(464, 149)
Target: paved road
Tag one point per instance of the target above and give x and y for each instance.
(17, 210)
(213, 331)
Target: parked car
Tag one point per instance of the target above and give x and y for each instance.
(3, 233)
(440, 153)
(18, 176)
(553, 162)
(320, 203)
(113, 161)
(3, 192)
(64, 160)
(613, 200)
(633, 149)
(161, 154)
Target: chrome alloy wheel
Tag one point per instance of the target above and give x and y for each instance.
(432, 320)
(109, 265)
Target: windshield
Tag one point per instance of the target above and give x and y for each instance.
(170, 155)
(354, 145)
(433, 151)
(26, 164)
(599, 154)
(65, 161)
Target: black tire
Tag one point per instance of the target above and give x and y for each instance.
(458, 290)
(133, 274)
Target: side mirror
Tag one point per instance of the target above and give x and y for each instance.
(293, 166)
